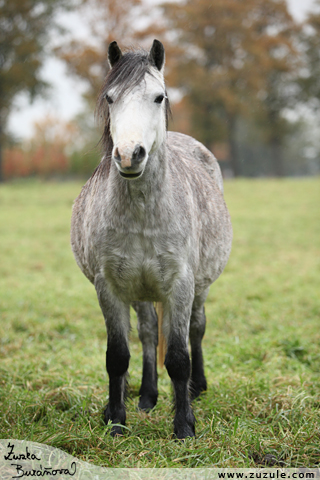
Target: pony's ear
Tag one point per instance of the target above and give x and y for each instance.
(156, 55)
(114, 53)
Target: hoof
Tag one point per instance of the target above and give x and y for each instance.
(146, 404)
(197, 388)
(116, 428)
(183, 433)
(116, 431)
(184, 427)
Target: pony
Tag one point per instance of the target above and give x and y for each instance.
(150, 225)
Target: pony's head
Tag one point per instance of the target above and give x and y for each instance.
(134, 104)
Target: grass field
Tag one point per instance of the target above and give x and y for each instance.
(262, 344)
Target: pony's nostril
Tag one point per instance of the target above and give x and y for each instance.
(117, 155)
(138, 154)
(142, 152)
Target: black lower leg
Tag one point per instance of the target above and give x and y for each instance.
(148, 334)
(117, 362)
(197, 329)
(198, 379)
(115, 410)
(177, 363)
(148, 391)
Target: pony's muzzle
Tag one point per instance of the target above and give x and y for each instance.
(127, 159)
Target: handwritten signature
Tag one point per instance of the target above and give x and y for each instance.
(35, 472)
(42, 472)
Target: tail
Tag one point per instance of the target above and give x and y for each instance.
(161, 339)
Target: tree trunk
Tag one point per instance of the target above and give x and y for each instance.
(234, 158)
(1, 139)
(277, 158)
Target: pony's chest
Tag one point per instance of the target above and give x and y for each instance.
(140, 266)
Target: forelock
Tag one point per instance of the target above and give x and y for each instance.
(128, 72)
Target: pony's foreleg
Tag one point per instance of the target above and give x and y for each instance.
(197, 329)
(117, 318)
(177, 359)
(148, 334)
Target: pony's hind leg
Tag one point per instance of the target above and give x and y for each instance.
(117, 318)
(148, 334)
(197, 328)
(177, 361)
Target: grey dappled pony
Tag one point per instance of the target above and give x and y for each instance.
(150, 225)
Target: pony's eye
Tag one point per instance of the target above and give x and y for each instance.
(159, 99)
(109, 99)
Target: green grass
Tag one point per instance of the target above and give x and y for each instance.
(262, 344)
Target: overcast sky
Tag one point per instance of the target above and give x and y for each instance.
(64, 99)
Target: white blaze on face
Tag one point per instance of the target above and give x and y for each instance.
(136, 119)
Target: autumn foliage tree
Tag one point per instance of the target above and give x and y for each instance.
(233, 57)
(280, 69)
(106, 20)
(24, 30)
(86, 59)
(310, 39)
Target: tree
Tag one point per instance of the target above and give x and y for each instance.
(310, 80)
(107, 20)
(281, 70)
(87, 60)
(234, 55)
(24, 29)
